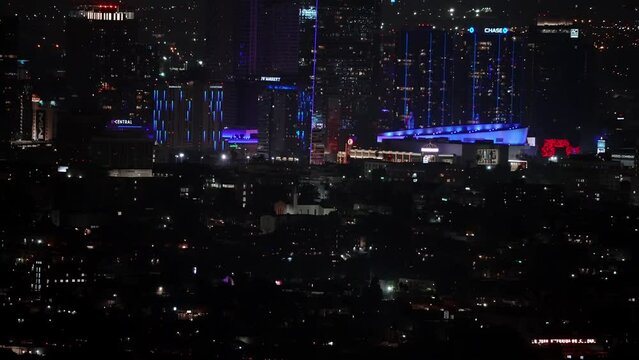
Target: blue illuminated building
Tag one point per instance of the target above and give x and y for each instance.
(189, 118)
(466, 76)
(284, 121)
(498, 133)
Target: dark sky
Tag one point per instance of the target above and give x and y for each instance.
(610, 8)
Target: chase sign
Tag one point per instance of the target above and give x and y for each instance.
(497, 30)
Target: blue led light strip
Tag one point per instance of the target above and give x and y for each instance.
(315, 57)
(406, 78)
(474, 115)
(430, 79)
(444, 58)
(512, 84)
(498, 95)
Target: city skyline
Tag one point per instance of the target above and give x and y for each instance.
(319, 179)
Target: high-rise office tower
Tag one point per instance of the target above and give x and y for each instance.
(188, 118)
(98, 39)
(44, 120)
(450, 77)
(386, 119)
(562, 89)
(221, 35)
(423, 71)
(264, 52)
(496, 74)
(9, 83)
(103, 59)
(253, 37)
(347, 62)
(284, 26)
(284, 121)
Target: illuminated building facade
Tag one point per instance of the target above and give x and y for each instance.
(266, 58)
(10, 89)
(284, 122)
(507, 134)
(347, 59)
(467, 145)
(98, 37)
(105, 64)
(44, 120)
(467, 76)
(318, 146)
(423, 71)
(189, 118)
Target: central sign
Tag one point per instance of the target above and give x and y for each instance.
(122, 122)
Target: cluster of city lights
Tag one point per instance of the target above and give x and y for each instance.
(563, 341)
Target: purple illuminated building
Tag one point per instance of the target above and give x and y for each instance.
(240, 136)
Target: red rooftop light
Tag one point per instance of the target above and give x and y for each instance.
(551, 145)
(109, 7)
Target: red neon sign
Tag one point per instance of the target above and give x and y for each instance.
(551, 145)
(108, 7)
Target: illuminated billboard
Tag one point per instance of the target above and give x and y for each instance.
(308, 13)
(574, 33)
(601, 146)
(487, 157)
(39, 126)
(490, 30)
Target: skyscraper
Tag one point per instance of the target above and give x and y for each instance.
(9, 84)
(496, 69)
(253, 37)
(347, 64)
(284, 121)
(104, 62)
(285, 23)
(421, 76)
(449, 77)
(221, 37)
(44, 121)
(561, 85)
(263, 50)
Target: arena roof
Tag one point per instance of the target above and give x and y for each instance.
(507, 134)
